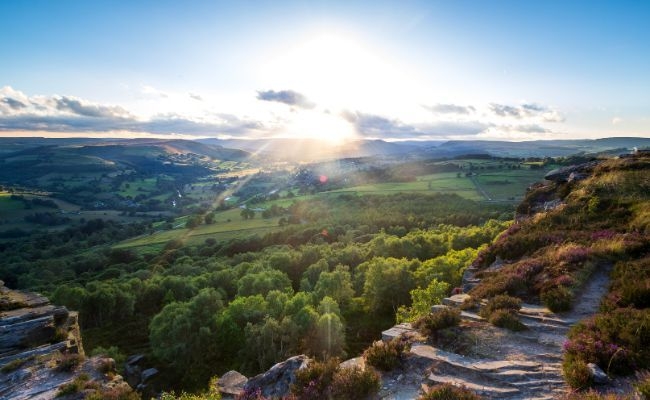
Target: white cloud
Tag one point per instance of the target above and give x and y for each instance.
(529, 110)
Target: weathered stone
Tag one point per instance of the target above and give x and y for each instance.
(148, 374)
(277, 381)
(28, 325)
(134, 359)
(455, 300)
(599, 376)
(396, 331)
(232, 382)
(436, 308)
(563, 174)
(358, 362)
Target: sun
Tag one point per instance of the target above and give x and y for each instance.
(338, 73)
(321, 125)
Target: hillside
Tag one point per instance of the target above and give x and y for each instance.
(314, 149)
(557, 304)
(568, 284)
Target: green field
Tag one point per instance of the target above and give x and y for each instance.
(228, 225)
(7, 204)
(500, 185)
(505, 185)
(446, 182)
(139, 186)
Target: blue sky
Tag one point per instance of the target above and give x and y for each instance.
(398, 70)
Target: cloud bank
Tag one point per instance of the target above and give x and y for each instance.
(532, 110)
(69, 114)
(19, 112)
(288, 97)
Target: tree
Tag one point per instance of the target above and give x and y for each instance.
(336, 284)
(193, 221)
(209, 218)
(388, 283)
(247, 213)
(184, 335)
(422, 300)
(329, 339)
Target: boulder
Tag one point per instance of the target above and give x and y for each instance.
(599, 376)
(456, 300)
(436, 308)
(563, 174)
(231, 383)
(276, 382)
(133, 370)
(148, 374)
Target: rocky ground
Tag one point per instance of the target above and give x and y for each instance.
(499, 364)
(41, 351)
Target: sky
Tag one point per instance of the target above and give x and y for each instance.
(335, 70)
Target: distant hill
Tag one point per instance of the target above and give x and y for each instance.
(538, 148)
(33, 158)
(314, 149)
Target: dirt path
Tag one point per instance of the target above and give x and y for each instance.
(480, 188)
(503, 364)
(588, 300)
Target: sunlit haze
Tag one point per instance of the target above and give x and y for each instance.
(336, 71)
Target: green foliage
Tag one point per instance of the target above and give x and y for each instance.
(330, 336)
(185, 336)
(433, 322)
(422, 300)
(113, 393)
(76, 386)
(386, 355)
(447, 391)
(557, 299)
(336, 284)
(339, 256)
(388, 283)
(211, 394)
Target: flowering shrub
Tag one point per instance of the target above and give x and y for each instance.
(502, 302)
(573, 254)
(604, 234)
(506, 319)
(323, 380)
(385, 355)
(313, 382)
(618, 341)
(502, 311)
(430, 324)
(355, 383)
(577, 373)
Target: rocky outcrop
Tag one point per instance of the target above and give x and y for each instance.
(41, 352)
(572, 172)
(276, 382)
(231, 383)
